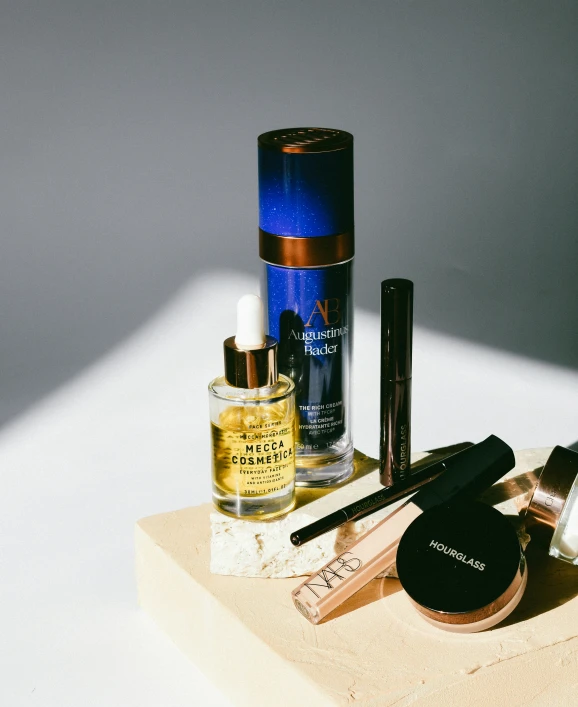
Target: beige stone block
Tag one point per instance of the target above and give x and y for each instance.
(375, 651)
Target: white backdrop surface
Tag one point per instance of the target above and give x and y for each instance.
(129, 438)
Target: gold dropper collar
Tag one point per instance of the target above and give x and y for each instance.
(251, 368)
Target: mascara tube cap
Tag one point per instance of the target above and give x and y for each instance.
(396, 329)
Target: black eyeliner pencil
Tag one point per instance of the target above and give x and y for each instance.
(375, 501)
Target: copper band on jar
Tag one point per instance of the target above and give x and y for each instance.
(306, 252)
(552, 490)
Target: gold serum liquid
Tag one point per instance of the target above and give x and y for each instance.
(252, 411)
(253, 435)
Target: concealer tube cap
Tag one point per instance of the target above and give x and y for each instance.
(468, 474)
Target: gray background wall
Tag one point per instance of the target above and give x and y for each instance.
(128, 134)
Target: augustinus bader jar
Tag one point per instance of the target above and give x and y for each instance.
(306, 242)
(252, 411)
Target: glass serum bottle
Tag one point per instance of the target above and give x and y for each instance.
(252, 411)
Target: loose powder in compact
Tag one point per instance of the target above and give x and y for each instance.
(462, 566)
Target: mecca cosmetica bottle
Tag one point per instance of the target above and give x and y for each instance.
(252, 411)
(306, 242)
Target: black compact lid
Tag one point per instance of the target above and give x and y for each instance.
(460, 563)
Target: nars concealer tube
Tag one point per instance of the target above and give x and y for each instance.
(472, 471)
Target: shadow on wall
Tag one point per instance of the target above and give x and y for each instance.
(131, 164)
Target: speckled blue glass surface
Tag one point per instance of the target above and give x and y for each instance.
(306, 194)
(309, 312)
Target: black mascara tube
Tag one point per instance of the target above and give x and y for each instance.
(396, 353)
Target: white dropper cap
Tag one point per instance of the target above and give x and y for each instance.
(250, 329)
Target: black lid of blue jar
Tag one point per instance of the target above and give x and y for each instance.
(306, 182)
